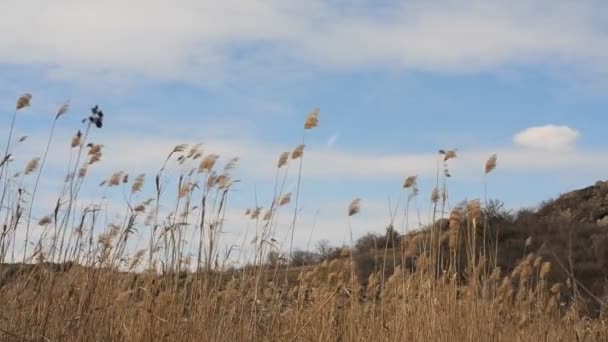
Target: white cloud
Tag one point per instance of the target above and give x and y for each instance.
(206, 40)
(549, 137)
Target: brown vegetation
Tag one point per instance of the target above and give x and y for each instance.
(481, 274)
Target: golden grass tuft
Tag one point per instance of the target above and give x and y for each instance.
(207, 163)
(298, 152)
(23, 101)
(312, 120)
(138, 183)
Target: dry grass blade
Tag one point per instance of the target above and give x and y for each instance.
(491, 163)
(354, 207)
(24, 101)
(312, 120)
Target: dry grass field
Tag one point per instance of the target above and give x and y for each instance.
(475, 274)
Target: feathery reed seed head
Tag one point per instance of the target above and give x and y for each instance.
(354, 207)
(231, 164)
(138, 183)
(544, 270)
(82, 171)
(454, 224)
(207, 163)
(447, 155)
(312, 120)
(76, 139)
(435, 196)
(285, 199)
(45, 220)
(23, 101)
(298, 152)
(491, 163)
(283, 159)
(410, 182)
(65, 107)
(32, 165)
(115, 179)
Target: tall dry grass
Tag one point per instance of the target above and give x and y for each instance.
(82, 282)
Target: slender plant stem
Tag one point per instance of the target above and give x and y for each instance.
(29, 214)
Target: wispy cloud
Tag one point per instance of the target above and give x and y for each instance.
(132, 152)
(205, 40)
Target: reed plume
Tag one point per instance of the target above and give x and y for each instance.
(491, 163)
(312, 120)
(354, 207)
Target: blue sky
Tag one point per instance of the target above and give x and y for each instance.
(395, 82)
